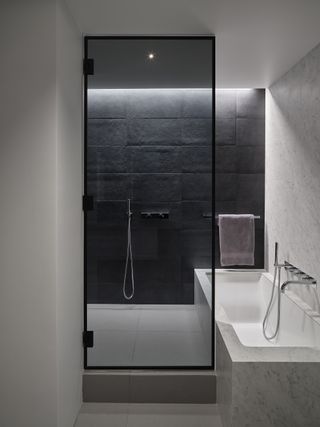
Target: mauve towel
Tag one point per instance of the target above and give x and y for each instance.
(236, 235)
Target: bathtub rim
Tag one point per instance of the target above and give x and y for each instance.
(241, 353)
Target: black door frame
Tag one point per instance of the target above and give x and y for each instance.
(87, 337)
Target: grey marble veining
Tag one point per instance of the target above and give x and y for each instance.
(262, 387)
(293, 170)
(276, 394)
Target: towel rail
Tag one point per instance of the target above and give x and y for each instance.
(255, 216)
(208, 215)
(217, 217)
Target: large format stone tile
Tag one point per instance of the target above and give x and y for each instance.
(197, 186)
(226, 186)
(112, 318)
(109, 186)
(196, 159)
(108, 132)
(156, 187)
(141, 415)
(169, 319)
(196, 242)
(226, 159)
(169, 415)
(109, 159)
(197, 131)
(225, 103)
(155, 103)
(171, 349)
(197, 103)
(251, 159)
(193, 213)
(251, 103)
(251, 187)
(154, 132)
(154, 159)
(112, 348)
(225, 131)
(250, 131)
(107, 103)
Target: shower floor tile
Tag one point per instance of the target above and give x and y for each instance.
(113, 318)
(112, 348)
(146, 335)
(170, 348)
(183, 319)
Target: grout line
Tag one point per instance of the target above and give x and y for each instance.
(128, 405)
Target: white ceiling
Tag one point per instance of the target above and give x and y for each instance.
(257, 40)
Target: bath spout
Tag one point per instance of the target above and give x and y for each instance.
(307, 281)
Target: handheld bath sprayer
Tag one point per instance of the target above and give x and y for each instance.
(275, 284)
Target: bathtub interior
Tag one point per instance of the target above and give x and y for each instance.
(241, 299)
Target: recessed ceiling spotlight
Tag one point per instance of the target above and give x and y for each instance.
(151, 56)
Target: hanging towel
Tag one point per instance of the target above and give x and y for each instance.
(236, 236)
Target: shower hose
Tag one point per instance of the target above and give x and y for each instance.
(129, 258)
(275, 284)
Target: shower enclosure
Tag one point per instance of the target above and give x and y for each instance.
(148, 195)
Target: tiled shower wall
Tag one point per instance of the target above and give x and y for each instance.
(240, 160)
(153, 146)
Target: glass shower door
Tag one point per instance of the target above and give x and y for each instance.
(148, 200)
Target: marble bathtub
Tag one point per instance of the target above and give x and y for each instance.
(261, 384)
(242, 299)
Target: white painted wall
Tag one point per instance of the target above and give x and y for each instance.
(69, 217)
(40, 217)
(28, 355)
(293, 168)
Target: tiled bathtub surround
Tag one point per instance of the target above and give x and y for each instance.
(240, 156)
(293, 170)
(262, 383)
(284, 390)
(154, 146)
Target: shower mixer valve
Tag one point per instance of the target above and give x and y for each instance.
(304, 279)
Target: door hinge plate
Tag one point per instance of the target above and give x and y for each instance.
(87, 203)
(87, 338)
(88, 66)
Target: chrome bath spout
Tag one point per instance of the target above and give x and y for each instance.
(308, 281)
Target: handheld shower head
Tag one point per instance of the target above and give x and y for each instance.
(129, 213)
(276, 254)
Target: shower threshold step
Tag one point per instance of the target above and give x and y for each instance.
(149, 386)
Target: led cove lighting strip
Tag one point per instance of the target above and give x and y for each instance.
(160, 88)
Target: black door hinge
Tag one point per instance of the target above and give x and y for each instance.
(88, 66)
(87, 203)
(87, 339)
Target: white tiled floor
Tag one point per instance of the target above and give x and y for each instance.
(146, 415)
(146, 335)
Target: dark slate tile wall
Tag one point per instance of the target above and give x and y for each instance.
(240, 159)
(156, 148)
